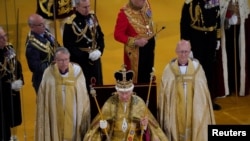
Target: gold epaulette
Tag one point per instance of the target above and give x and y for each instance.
(39, 45)
(47, 48)
(71, 18)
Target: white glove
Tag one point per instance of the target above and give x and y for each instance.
(103, 124)
(218, 45)
(17, 85)
(94, 55)
(233, 20)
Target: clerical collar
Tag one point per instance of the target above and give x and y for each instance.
(66, 71)
(182, 64)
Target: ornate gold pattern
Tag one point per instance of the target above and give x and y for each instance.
(9, 62)
(121, 114)
(47, 48)
(64, 6)
(197, 19)
(142, 23)
(131, 42)
(81, 33)
(48, 7)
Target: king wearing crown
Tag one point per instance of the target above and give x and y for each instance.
(125, 116)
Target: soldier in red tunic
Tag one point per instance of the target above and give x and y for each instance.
(134, 28)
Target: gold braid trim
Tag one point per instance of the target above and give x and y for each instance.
(195, 19)
(81, 33)
(211, 28)
(142, 23)
(93, 31)
(9, 63)
(70, 19)
(218, 33)
(131, 42)
(197, 12)
(47, 48)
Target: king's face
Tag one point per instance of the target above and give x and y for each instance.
(124, 96)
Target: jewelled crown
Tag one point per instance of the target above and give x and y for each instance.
(124, 79)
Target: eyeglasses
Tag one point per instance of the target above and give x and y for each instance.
(183, 51)
(39, 25)
(62, 60)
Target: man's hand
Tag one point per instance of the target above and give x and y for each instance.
(141, 42)
(103, 124)
(233, 20)
(218, 45)
(17, 85)
(94, 55)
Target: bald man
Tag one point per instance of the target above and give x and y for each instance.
(184, 103)
(40, 45)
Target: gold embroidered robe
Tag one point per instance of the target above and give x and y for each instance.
(184, 103)
(113, 112)
(63, 108)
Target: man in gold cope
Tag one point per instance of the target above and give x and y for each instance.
(184, 104)
(63, 108)
(125, 116)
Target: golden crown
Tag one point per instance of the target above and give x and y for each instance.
(124, 79)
